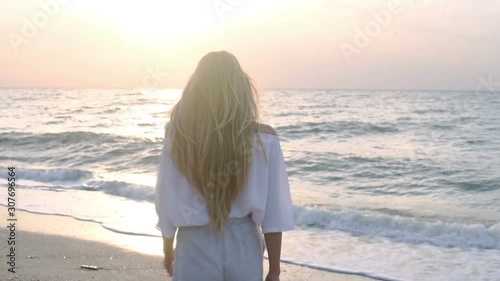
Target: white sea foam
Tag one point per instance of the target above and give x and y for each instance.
(122, 189)
(52, 175)
(367, 223)
(401, 229)
(333, 250)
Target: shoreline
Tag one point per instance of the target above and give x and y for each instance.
(53, 247)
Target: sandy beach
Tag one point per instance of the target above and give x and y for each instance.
(52, 247)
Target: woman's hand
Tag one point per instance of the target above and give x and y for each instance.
(168, 262)
(168, 250)
(272, 277)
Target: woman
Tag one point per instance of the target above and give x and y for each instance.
(221, 178)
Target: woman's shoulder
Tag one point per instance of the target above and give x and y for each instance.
(266, 129)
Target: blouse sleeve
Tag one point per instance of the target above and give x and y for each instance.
(278, 215)
(164, 224)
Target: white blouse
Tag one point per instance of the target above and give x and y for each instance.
(265, 195)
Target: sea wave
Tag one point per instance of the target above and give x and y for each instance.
(20, 139)
(401, 229)
(122, 189)
(80, 148)
(54, 175)
(396, 227)
(343, 128)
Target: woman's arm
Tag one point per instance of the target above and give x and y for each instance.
(168, 250)
(279, 213)
(273, 245)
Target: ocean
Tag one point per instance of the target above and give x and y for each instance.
(397, 185)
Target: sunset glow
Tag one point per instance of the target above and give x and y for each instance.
(153, 21)
(383, 44)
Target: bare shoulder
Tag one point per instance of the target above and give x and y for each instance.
(167, 129)
(266, 129)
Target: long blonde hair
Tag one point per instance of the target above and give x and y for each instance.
(212, 128)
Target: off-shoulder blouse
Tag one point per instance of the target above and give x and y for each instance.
(265, 195)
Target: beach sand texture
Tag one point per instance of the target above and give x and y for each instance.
(52, 247)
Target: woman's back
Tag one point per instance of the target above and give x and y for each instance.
(265, 195)
(222, 178)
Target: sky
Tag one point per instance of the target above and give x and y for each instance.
(335, 44)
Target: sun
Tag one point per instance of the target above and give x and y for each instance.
(157, 20)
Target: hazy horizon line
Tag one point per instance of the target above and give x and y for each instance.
(262, 89)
